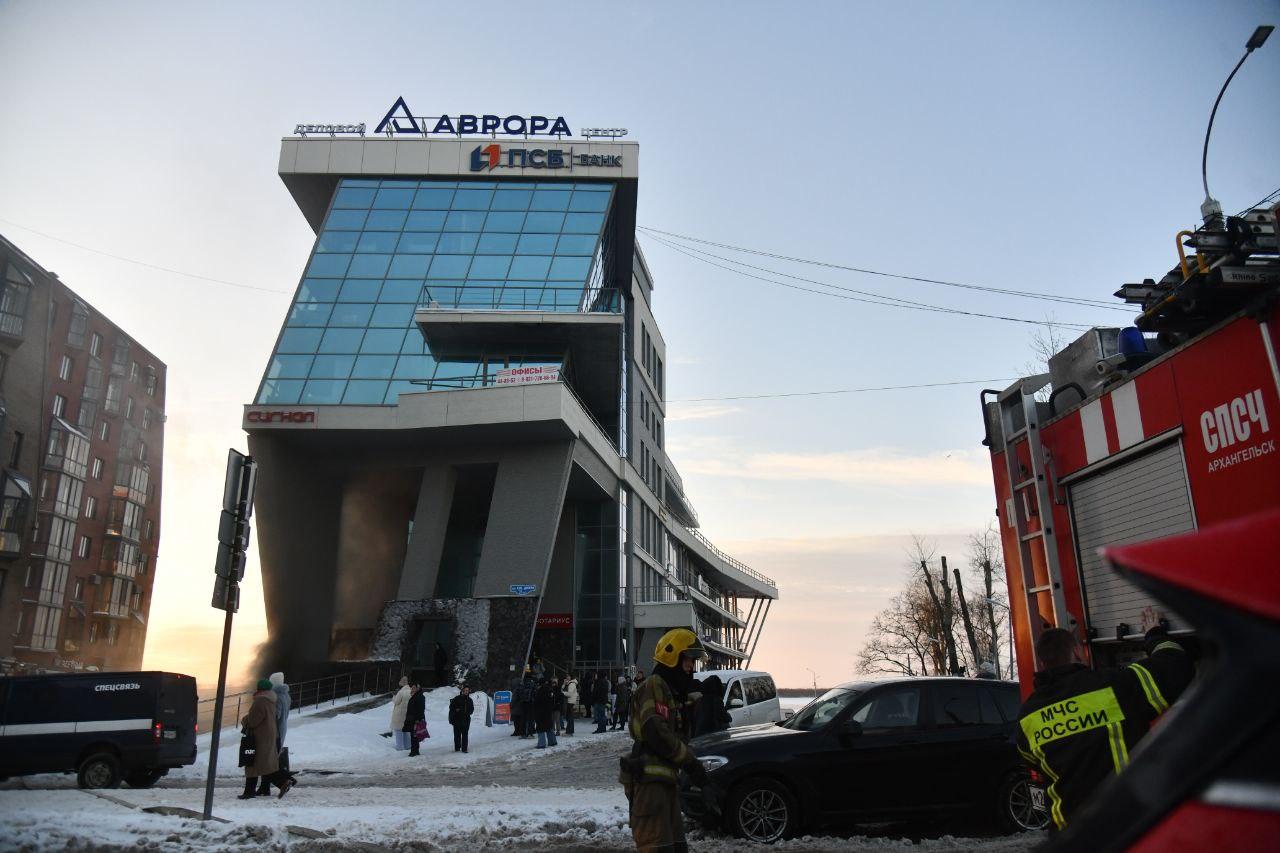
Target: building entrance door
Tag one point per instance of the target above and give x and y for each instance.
(422, 651)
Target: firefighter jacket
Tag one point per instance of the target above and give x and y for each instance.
(1079, 724)
(658, 728)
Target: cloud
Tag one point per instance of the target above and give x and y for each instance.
(868, 466)
(699, 412)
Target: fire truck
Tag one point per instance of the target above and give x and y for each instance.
(1140, 433)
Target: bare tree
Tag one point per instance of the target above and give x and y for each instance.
(903, 637)
(974, 660)
(1046, 342)
(944, 604)
(986, 560)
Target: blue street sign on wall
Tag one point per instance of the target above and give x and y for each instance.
(523, 588)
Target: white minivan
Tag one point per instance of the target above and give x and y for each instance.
(750, 697)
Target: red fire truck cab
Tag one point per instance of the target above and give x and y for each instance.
(1140, 433)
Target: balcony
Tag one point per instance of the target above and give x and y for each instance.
(14, 508)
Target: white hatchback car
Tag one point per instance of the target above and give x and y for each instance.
(750, 697)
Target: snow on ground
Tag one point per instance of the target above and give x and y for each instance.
(353, 743)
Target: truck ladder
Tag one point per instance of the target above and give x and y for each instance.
(1020, 422)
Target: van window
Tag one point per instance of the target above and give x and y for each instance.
(1010, 702)
(760, 689)
(987, 705)
(891, 709)
(735, 692)
(32, 702)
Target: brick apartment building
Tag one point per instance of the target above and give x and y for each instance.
(81, 442)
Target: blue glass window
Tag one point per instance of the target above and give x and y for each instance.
(341, 340)
(433, 199)
(337, 241)
(309, 314)
(497, 244)
(331, 366)
(369, 266)
(384, 340)
(318, 290)
(299, 340)
(374, 367)
(289, 367)
(323, 391)
(537, 244)
(378, 241)
(350, 314)
(280, 391)
(328, 266)
(385, 220)
(393, 199)
(350, 335)
(354, 197)
(346, 220)
(409, 266)
(365, 392)
(505, 199)
(418, 243)
(425, 220)
(401, 290)
(360, 290)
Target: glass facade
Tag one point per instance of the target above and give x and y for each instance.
(599, 583)
(388, 246)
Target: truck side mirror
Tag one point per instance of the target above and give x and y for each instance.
(733, 703)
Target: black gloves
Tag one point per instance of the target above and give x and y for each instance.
(696, 772)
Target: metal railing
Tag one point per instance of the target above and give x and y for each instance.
(737, 564)
(374, 681)
(575, 299)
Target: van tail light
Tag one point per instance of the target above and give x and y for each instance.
(157, 731)
(1036, 778)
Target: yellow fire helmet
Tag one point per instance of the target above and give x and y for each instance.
(676, 642)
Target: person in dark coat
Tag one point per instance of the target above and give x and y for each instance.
(584, 690)
(600, 701)
(441, 663)
(460, 710)
(517, 716)
(543, 714)
(621, 703)
(528, 689)
(710, 715)
(260, 723)
(557, 707)
(281, 691)
(415, 712)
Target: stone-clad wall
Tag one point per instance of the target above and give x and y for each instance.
(470, 629)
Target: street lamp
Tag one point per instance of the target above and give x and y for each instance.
(815, 682)
(1209, 208)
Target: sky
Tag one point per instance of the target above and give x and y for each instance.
(1041, 147)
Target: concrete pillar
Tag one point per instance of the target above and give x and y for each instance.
(430, 524)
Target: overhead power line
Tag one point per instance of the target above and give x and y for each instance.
(884, 301)
(1025, 294)
(146, 264)
(837, 391)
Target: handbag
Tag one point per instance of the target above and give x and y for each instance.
(420, 730)
(248, 749)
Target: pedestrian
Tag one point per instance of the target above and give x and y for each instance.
(460, 710)
(557, 706)
(527, 692)
(260, 725)
(659, 751)
(584, 690)
(398, 704)
(621, 702)
(517, 716)
(415, 713)
(543, 713)
(536, 667)
(1079, 724)
(440, 660)
(571, 703)
(599, 700)
(281, 691)
(709, 714)
(987, 670)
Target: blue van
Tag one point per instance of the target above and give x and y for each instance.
(106, 727)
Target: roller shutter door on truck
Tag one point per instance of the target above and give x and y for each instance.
(1142, 498)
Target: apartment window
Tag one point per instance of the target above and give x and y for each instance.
(151, 381)
(79, 324)
(93, 633)
(4, 364)
(146, 418)
(143, 559)
(97, 468)
(88, 414)
(77, 592)
(83, 544)
(91, 507)
(15, 452)
(148, 529)
(95, 344)
(64, 368)
(113, 633)
(128, 408)
(142, 451)
(104, 431)
(59, 405)
(133, 371)
(15, 292)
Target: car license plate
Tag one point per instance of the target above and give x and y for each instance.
(1037, 797)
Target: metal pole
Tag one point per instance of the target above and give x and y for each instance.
(217, 709)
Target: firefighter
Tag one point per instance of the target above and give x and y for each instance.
(659, 730)
(1079, 724)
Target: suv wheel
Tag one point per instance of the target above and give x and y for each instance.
(762, 810)
(143, 778)
(100, 770)
(1016, 809)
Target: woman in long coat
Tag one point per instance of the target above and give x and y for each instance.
(260, 723)
(399, 703)
(415, 712)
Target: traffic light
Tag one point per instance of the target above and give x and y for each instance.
(233, 530)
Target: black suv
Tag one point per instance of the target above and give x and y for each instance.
(870, 752)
